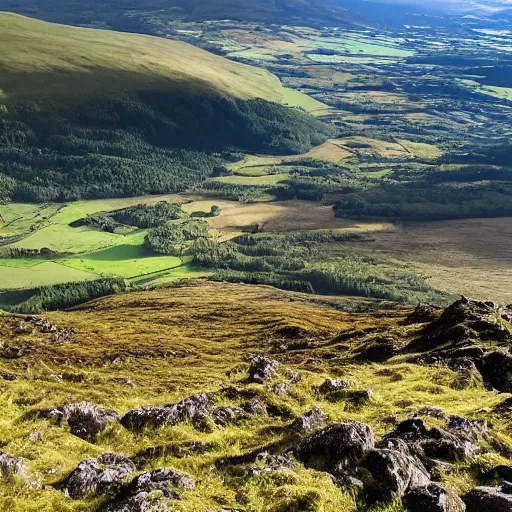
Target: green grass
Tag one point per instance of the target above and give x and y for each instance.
(94, 253)
(123, 261)
(30, 274)
(215, 326)
(121, 62)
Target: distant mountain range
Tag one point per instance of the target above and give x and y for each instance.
(124, 15)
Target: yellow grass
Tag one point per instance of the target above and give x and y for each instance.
(81, 61)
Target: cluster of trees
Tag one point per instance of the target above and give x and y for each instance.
(61, 296)
(146, 143)
(141, 216)
(176, 239)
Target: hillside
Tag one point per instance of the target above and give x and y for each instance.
(132, 16)
(90, 113)
(388, 412)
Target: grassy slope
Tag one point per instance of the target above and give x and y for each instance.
(213, 327)
(37, 58)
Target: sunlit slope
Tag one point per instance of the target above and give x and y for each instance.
(39, 58)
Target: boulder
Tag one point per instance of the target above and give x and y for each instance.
(502, 472)
(150, 492)
(422, 314)
(487, 499)
(85, 419)
(11, 466)
(98, 475)
(195, 408)
(433, 499)
(262, 369)
(337, 447)
(255, 407)
(496, 369)
(330, 385)
(224, 415)
(312, 420)
(394, 472)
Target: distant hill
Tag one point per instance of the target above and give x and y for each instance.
(125, 14)
(95, 113)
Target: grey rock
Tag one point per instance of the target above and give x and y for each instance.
(11, 466)
(486, 499)
(150, 492)
(336, 447)
(195, 408)
(224, 415)
(262, 369)
(311, 420)
(433, 499)
(255, 407)
(330, 385)
(395, 472)
(98, 475)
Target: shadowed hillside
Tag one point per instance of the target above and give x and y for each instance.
(88, 113)
(126, 15)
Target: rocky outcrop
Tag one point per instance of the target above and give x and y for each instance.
(262, 369)
(196, 408)
(331, 385)
(395, 472)
(496, 368)
(433, 499)
(312, 420)
(96, 476)
(150, 492)
(485, 499)
(224, 415)
(337, 448)
(11, 466)
(85, 420)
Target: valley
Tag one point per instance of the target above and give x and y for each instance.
(237, 242)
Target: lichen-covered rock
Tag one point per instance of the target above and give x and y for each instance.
(255, 407)
(330, 385)
(224, 415)
(433, 499)
(85, 420)
(487, 499)
(195, 408)
(394, 472)
(262, 369)
(312, 420)
(98, 475)
(11, 466)
(435, 443)
(337, 447)
(150, 492)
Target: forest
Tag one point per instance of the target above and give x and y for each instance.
(150, 143)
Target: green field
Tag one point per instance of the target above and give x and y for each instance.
(85, 253)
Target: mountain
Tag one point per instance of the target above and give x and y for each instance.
(214, 397)
(90, 113)
(125, 14)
